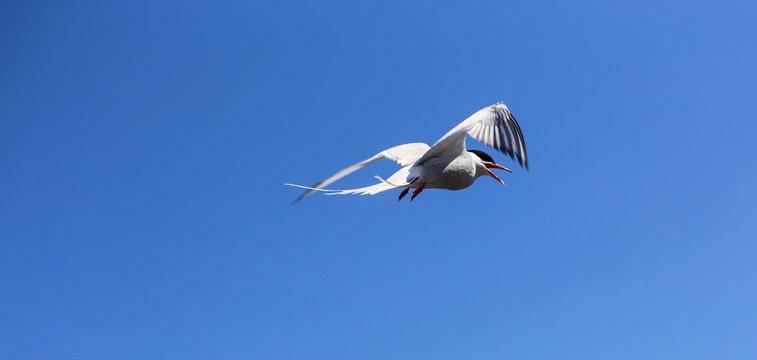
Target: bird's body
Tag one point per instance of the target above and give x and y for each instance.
(451, 174)
(446, 165)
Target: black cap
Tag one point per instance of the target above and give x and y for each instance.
(483, 156)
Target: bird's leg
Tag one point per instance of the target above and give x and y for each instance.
(403, 193)
(417, 191)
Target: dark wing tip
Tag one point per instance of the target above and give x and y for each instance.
(307, 192)
(302, 196)
(521, 142)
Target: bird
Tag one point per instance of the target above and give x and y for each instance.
(448, 164)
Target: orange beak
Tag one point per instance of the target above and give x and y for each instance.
(497, 166)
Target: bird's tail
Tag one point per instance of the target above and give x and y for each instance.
(368, 190)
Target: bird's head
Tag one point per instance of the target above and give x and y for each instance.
(487, 163)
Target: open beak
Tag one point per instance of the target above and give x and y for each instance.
(496, 166)
(496, 177)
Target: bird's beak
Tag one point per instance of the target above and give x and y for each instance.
(496, 177)
(498, 166)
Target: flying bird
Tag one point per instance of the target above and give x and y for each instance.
(445, 165)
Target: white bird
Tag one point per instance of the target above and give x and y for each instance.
(447, 164)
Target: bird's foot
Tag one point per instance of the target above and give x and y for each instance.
(417, 191)
(403, 193)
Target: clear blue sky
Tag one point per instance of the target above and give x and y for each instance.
(143, 147)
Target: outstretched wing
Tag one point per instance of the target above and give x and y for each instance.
(405, 154)
(494, 126)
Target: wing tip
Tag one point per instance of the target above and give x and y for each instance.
(299, 198)
(309, 191)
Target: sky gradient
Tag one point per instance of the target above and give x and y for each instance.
(143, 148)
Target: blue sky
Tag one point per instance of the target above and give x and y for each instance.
(144, 146)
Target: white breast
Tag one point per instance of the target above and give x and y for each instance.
(450, 174)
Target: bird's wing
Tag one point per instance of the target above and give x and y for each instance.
(405, 154)
(494, 126)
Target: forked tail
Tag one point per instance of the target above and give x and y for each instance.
(368, 190)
